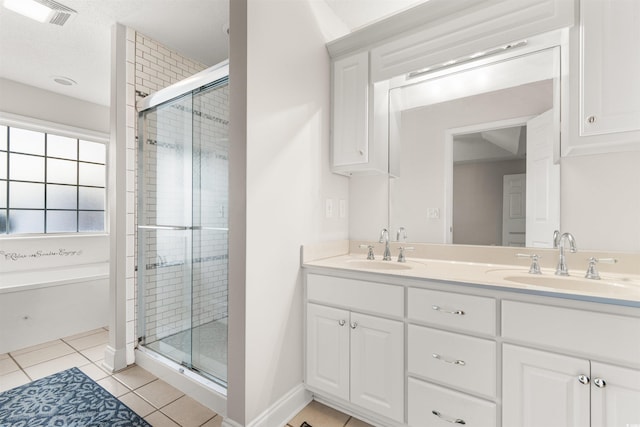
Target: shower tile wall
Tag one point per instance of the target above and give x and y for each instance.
(150, 67)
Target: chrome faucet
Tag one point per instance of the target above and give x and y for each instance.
(384, 238)
(402, 238)
(559, 242)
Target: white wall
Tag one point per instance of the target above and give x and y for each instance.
(601, 200)
(30, 101)
(287, 181)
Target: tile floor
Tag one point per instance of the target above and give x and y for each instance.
(156, 401)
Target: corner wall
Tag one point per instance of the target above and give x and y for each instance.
(287, 182)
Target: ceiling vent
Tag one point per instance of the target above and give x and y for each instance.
(60, 14)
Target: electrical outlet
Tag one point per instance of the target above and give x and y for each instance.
(328, 208)
(433, 213)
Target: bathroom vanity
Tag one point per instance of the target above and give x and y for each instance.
(431, 342)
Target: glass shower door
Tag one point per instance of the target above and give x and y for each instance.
(165, 241)
(183, 230)
(210, 230)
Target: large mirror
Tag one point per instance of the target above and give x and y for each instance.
(475, 156)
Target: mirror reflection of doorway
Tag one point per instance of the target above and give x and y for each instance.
(505, 185)
(481, 161)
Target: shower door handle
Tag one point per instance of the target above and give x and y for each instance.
(198, 227)
(163, 227)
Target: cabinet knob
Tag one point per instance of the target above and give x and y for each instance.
(448, 419)
(583, 379)
(600, 383)
(361, 152)
(591, 119)
(353, 325)
(341, 322)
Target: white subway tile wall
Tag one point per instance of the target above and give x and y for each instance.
(150, 68)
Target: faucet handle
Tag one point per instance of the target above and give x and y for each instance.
(592, 271)
(535, 266)
(401, 249)
(369, 252)
(401, 235)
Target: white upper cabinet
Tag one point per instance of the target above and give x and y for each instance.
(605, 101)
(350, 111)
(610, 66)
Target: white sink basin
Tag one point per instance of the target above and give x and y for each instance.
(570, 283)
(378, 265)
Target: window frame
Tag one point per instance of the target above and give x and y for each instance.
(47, 127)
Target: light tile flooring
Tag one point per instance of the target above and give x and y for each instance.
(156, 401)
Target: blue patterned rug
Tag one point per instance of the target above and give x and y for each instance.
(65, 399)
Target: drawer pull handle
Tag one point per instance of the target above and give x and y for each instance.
(453, 362)
(448, 419)
(341, 322)
(438, 308)
(600, 383)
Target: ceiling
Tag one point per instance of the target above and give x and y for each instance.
(34, 54)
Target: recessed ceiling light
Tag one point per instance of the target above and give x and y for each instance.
(65, 81)
(29, 8)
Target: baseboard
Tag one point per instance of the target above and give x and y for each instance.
(114, 359)
(230, 423)
(283, 410)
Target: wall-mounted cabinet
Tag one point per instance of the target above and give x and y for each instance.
(605, 100)
(600, 87)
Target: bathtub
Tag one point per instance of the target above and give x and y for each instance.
(37, 306)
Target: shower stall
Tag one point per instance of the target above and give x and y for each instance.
(182, 223)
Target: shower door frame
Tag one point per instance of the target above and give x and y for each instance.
(212, 77)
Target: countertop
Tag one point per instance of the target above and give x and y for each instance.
(618, 287)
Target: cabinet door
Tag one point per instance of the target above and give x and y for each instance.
(615, 396)
(350, 110)
(377, 365)
(328, 350)
(610, 66)
(542, 389)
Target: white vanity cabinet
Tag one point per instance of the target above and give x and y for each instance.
(464, 364)
(400, 352)
(354, 356)
(569, 378)
(604, 74)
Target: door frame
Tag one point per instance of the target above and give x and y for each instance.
(447, 232)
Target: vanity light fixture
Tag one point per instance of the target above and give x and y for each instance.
(464, 59)
(41, 10)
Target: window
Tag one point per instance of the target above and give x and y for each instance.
(50, 183)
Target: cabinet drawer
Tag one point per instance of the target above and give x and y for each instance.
(451, 310)
(356, 294)
(595, 335)
(430, 405)
(452, 359)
